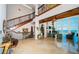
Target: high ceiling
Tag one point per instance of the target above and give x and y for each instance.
(17, 10)
(32, 6)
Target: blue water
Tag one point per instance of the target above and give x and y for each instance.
(66, 31)
(68, 46)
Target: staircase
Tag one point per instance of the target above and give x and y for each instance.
(19, 21)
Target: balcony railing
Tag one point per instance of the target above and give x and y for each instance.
(15, 21)
(45, 7)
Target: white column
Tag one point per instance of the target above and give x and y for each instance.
(2, 17)
(45, 31)
(37, 29)
(51, 26)
(36, 22)
(36, 9)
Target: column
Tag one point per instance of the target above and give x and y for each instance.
(37, 29)
(2, 17)
(36, 9)
(36, 22)
(45, 31)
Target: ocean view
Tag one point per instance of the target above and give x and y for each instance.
(66, 31)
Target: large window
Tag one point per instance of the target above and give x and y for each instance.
(67, 24)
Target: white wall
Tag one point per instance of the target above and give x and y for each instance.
(2, 17)
(13, 12)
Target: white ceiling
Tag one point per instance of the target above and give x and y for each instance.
(12, 10)
(32, 6)
(16, 10)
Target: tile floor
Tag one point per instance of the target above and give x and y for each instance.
(41, 46)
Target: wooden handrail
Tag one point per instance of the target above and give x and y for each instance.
(21, 24)
(30, 16)
(21, 16)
